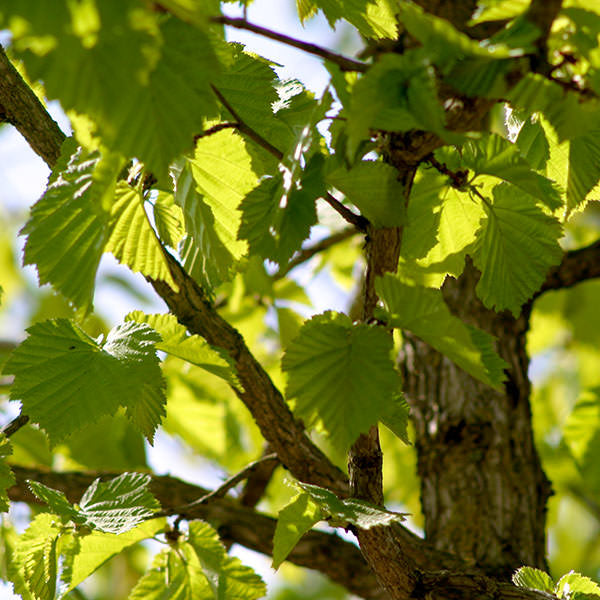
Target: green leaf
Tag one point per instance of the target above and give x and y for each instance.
(569, 117)
(424, 312)
(176, 341)
(341, 375)
(533, 144)
(7, 479)
(68, 227)
(498, 10)
(95, 548)
(36, 556)
(73, 51)
(57, 502)
(374, 188)
(372, 18)
(276, 219)
(528, 577)
(352, 510)
(118, 505)
(65, 379)
(493, 155)
(441, 226)
(228, 578)
(168, 218)
(572, 584)
(397, 93)
(210, 191)
(396, 418)
(518, 245)
(132, 240)
(293, 521)
(584, 168)
(582, 436)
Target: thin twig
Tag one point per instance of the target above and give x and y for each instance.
(15, 425)
(360, 222)
(243, 128)
(220, 491)
(307, 253)
(216, 128)
(357, 220)
(345, 63)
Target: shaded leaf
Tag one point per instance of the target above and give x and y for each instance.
(373, 187)
(7, 479)
(351, 510)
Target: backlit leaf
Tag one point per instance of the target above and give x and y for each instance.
(66, 379)
(340, 375)
(519, 243)
(424, 312)
(535, 579)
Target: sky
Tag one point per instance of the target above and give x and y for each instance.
(23, 177)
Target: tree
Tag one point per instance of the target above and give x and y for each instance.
(452, 163)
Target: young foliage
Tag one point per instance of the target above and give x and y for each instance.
(69, 225)
(7, 479)
(340, 375)
(518, 244)
(115, 506)
(424, 313)
(174, 340)
(65, 379)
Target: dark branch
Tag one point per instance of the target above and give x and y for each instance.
(20, 107)
(339, 560)
(246, 129)
(357, 220)
(575, 267)
(345, 63)
(185, 510)
(307, 253)
(15, 425)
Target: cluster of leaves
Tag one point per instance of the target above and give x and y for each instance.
(572, 586)
(190, 145)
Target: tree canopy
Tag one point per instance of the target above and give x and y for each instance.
(444, 184)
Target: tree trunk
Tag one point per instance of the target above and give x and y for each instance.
(483, 491)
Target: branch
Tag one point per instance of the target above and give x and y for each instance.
(307, 253)
(345, 63)
(575, 267)
(184, 510)
(327, 553)
(243, 128)
(20, 107)
(15, 425)
(278, 426)
(357, 220)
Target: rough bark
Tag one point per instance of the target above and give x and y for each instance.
(483, 490)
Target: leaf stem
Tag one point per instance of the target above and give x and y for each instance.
(307, 253)
(246, 129)
(345, 63)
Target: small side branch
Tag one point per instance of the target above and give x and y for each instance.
(246, 129)
(351, 217)
(15, 425)
(220, 492)
(345, 63)
(307, 253)
(575, 267)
